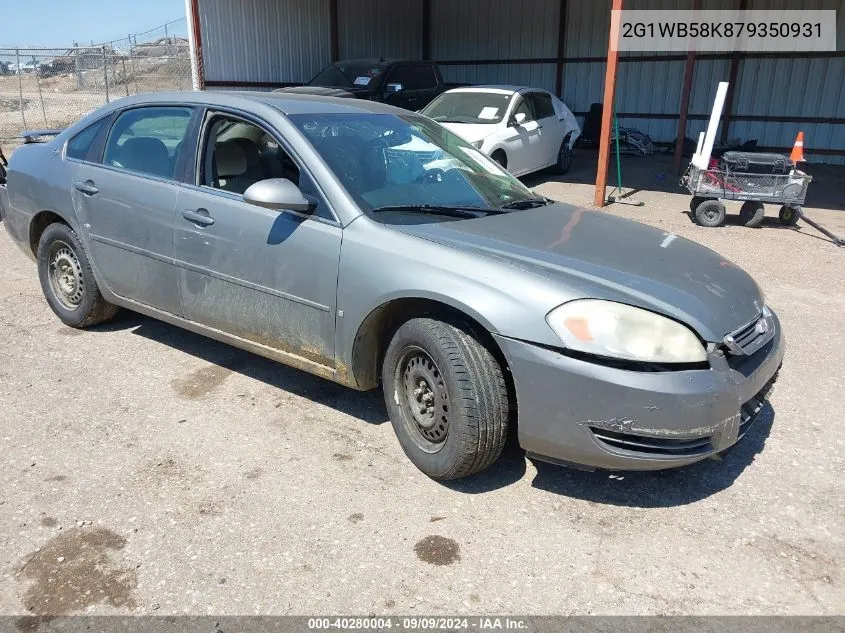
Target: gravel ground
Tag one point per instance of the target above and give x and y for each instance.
(144, 469)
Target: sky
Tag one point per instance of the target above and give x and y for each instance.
(61, 22)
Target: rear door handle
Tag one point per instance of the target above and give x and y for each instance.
(87, 187)
(200, 217)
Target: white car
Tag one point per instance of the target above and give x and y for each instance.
(522, 129)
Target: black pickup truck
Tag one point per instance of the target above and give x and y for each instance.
(403, 83)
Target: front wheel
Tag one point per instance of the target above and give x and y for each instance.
(67, 279)
(446, 397)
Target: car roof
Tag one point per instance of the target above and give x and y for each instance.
(502, 89)
(372, 61)
(286, 103)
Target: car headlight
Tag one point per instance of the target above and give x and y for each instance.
(616, 330)
(477, 144)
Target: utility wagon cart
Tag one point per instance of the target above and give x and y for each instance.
(710, 186)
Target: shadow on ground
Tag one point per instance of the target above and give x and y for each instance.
(367, 406)
(656, 489)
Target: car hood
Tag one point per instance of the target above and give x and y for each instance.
(471, 132)
(593, 254)
(322, 91)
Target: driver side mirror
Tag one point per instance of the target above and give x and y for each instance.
(394, 89)
(518, 119)
(279, 194)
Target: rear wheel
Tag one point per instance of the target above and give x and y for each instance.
(751, 214)
(67, 279)
(789, 215)
(447, 398)
(710, 213)
(564, 158)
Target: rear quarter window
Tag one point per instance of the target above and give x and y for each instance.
(79, 145)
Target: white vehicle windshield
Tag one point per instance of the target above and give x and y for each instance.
(469, 107)
(388, 161)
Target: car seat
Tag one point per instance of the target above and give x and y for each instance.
(231, 166)
(146, 154)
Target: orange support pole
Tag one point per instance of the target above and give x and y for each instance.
(689, 67)
(607, 104)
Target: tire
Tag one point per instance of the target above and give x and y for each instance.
(789, 215)
(751, 214)
(695, 201)
(445, 365)
(500, 158)
(564, 158)
(710, 213)
(74, 296)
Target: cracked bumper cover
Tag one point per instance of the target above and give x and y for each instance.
(564, 402)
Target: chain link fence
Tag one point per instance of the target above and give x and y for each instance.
(54, 87)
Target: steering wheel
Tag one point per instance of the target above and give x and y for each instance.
(431, 176)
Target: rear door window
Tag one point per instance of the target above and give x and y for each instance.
(148, 140)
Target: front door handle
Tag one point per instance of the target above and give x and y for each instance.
(200, 217)
(87, 187)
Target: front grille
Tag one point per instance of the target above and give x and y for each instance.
(751, 337)
(653, 445)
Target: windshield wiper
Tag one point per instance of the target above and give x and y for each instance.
(443, 209)
(527, 203)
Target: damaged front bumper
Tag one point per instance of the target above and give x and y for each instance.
(584, 414)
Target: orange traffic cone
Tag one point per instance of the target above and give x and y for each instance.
(797, 154)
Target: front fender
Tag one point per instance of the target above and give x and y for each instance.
(379, 265)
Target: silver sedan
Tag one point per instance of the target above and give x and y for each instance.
(370, 245)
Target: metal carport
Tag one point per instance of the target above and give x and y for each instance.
(559, 45)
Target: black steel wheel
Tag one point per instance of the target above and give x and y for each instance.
(752, 214)
(789, 214)
(67, 279)
(446, 397)
(424, 398)
(710, 213)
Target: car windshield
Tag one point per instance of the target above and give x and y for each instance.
(391, 162)
(347, 75)
(468, 107)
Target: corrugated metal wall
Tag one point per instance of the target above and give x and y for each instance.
(264, 40)
(775, 87)
(794, 87)
(289, 41)
(493, 30)
(380, 28)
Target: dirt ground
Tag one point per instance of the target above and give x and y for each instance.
(144, 469)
